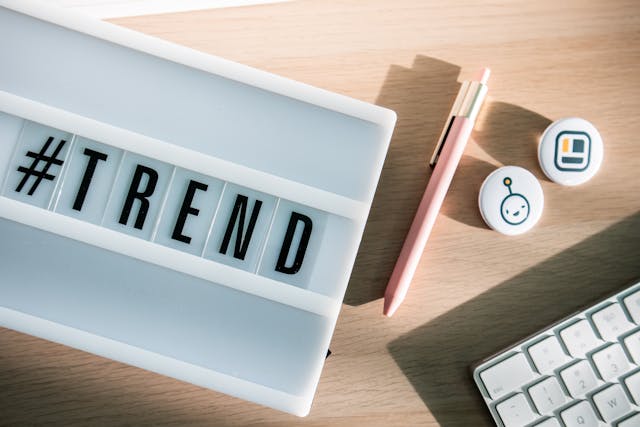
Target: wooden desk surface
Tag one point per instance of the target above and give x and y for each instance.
(476, 291)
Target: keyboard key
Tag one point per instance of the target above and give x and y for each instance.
(632, 302)
(548, 355)
(547, 395)
(632, 421)
(633, 385)
(611, 322)
(515, 411)
(579, 378)
(632, 343)
(611, 362)
(612, 403)
(579, 338)
(580, 415)
(507, 375)
(549, 422)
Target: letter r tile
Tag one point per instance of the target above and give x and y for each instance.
(137, 195)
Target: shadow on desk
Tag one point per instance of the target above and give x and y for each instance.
(422, 96)
(436, 357)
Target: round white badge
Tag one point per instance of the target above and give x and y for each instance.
(511, 200)
(570, 151)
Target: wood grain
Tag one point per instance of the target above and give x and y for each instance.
(476, 291)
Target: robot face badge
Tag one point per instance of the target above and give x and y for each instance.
(519, 208)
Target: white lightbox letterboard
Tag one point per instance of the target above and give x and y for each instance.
(176, 211)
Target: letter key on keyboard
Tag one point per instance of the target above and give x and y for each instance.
(611, 402)
(580, 415)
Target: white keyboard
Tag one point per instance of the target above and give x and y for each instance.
(583, 371)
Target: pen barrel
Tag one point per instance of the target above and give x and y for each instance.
(427, 213)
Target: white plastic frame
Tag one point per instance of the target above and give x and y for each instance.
(355, 210)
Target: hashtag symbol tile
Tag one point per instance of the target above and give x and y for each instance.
(41, 156)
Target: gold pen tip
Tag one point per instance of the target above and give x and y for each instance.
(482, 75)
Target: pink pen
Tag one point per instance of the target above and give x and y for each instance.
(444, 161)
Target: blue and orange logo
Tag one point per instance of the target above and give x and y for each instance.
(573, 151)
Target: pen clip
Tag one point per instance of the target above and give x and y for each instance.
(447, 127)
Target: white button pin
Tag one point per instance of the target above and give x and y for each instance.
(511, 200)
(570, 151)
